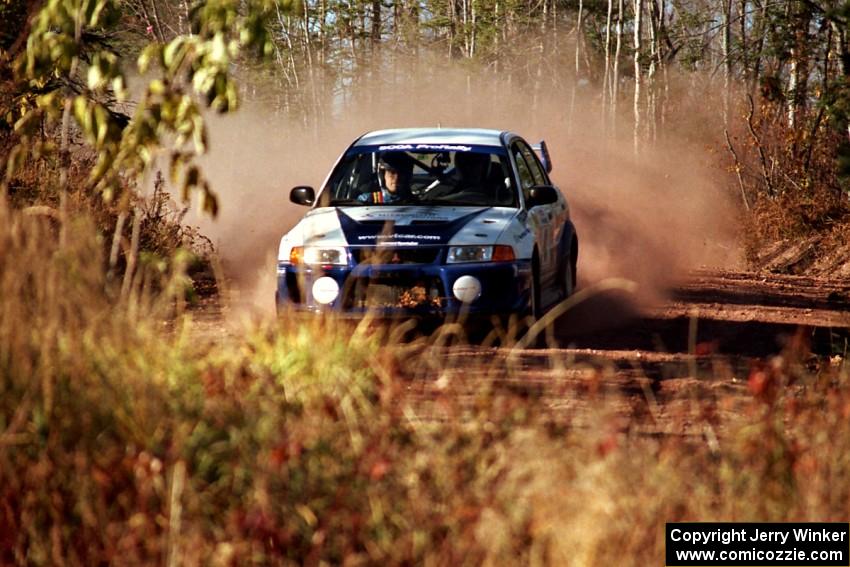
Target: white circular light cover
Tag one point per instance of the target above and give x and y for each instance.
(467, 289)
(325, 290)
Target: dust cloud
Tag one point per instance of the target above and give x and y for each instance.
(650, 217)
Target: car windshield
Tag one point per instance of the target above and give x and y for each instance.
(453, 175)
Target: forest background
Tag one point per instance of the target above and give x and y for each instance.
(762, 87)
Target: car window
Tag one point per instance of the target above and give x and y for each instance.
(536, 171)
(455, 175)
(525, 176)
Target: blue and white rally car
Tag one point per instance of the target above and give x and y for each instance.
(431, 222)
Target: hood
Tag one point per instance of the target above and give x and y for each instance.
(403, 225)
(422, 226)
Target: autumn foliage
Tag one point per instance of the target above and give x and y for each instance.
(124, 438)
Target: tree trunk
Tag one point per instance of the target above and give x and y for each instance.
(840, 45)
(579, 34)
(638, 6)
(496, 36)
(322, 15)
(663, 41)
(158, 24)
(615, 97)
(375, 33)
(798, 78)
(574, 94)
(726, 6)
(654, 50)
(65, 138)
(452, 25)
(606, 83)
(465, 22)
(742, 21)
(762, 36)
(473, 21)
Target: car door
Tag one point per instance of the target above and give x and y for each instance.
(540, 217)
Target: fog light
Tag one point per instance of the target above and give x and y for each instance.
(325, 290)
(467, 289)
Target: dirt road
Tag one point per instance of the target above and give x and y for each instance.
(674, 368)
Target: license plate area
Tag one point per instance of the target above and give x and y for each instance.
(394, 256)
(395, 292)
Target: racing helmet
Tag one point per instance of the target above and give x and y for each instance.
(400, 163)
(472, 167)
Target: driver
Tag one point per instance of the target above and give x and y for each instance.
(394, 172)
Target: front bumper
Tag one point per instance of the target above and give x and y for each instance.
(505, 288)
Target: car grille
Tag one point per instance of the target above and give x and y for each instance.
(389, 255)
(396, 291)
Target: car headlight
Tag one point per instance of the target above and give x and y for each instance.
(318, 255)
(497, 253)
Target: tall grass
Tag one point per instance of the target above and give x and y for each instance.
(124, 439)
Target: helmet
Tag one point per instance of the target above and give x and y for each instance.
(472, 166)
(398, 162)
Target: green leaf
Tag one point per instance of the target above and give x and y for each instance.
(102, 119)
(209, 202)
(190, 181)
(119, 88)
(94, 19)
(218, 51)
(28, 123)
(232, 96)
(48, 100)
(203, 79)
(156, 87)
(81, 104)
(152, 52)
(172, 55)
(43, 149)
(104, 162)
(199, 134)
(177, 162)
(95, 77)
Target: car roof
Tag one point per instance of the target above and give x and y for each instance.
(471, 136)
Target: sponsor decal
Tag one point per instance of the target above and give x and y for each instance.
(424, 147)
(390, 233)
(397, 216)
(396, 236)
(521, 235)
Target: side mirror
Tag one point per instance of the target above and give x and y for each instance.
(302, 195)
(541, 195)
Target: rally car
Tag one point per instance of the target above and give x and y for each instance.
(431, 222)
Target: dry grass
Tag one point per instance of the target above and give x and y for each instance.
(791, 177)
(124, 440)
(161, 228)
